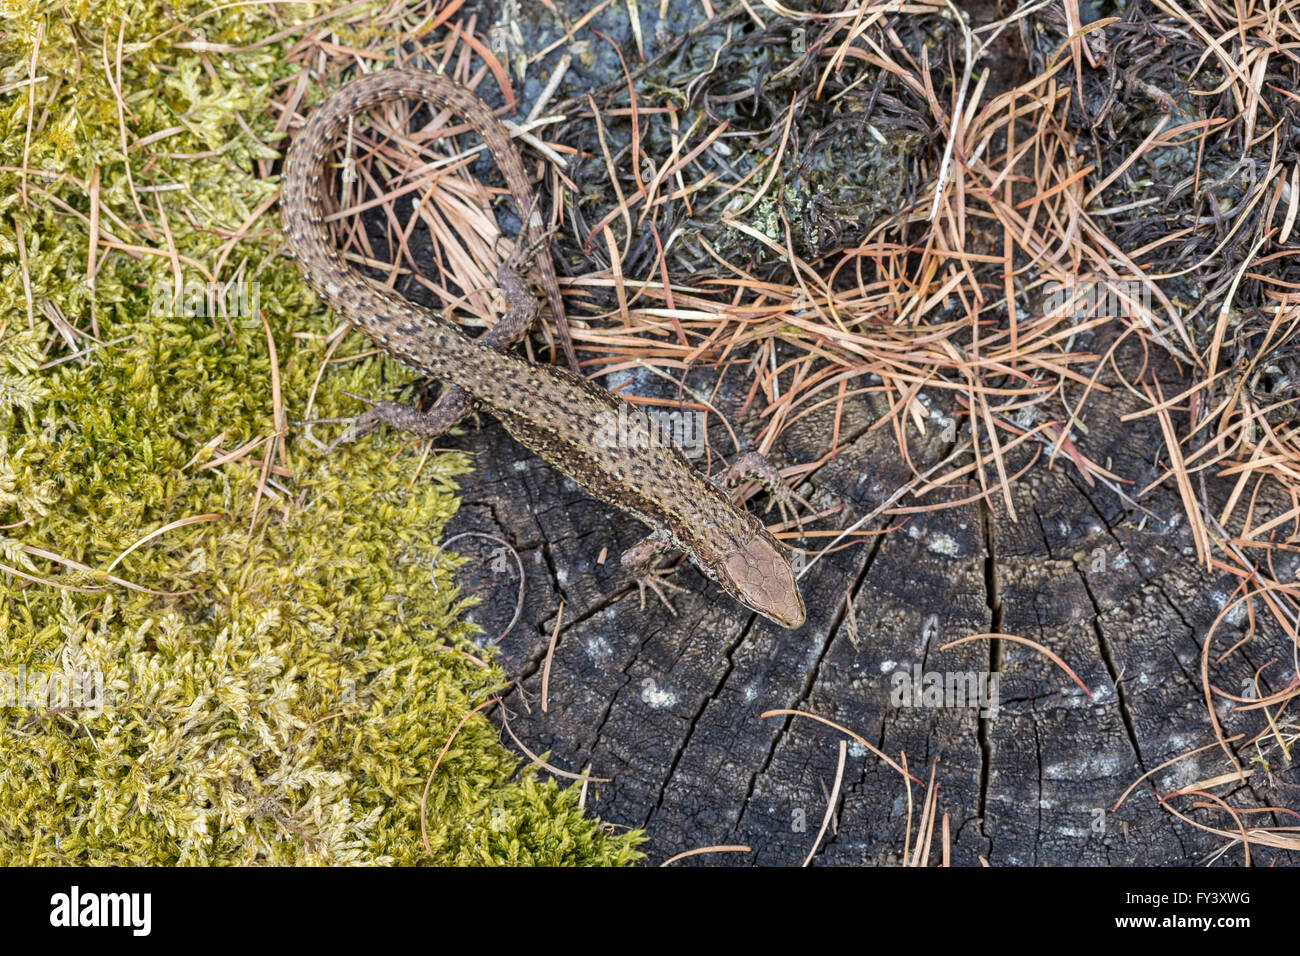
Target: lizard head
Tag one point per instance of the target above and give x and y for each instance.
(758, 573)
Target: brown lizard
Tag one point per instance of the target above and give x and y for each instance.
(556, 413)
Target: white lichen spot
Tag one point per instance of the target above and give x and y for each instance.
(1180, 775)
(1235, 616)
(941, 543)
(658, 697)
(1075, 833)
(1092, 767)
(616, 380)
(887, 667)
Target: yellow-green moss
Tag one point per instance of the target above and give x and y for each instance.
(285, 700)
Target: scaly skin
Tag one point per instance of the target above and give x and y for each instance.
(566, 419)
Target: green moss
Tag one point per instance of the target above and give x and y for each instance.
(273, 682)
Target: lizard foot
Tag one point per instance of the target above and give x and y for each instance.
(639, 560)
(753, 465)
(431, 424)
(656, 579)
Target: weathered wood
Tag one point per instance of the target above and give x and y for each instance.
(668, 707)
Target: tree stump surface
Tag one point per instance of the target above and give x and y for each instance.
(668, 708)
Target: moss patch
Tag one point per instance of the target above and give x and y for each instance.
(273, 679)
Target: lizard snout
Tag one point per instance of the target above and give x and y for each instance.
(762, 577)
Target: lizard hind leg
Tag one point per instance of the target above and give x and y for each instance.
(455, 403)
(435, 422)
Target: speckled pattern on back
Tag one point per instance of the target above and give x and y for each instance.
(552, 411)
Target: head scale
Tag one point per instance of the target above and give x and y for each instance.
(757, 573)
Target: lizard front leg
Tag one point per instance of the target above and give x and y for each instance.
(754, 465)
(639, 562)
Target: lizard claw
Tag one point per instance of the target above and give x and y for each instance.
(785, 500)
(526, 248)
(754, 465)
(359, 426)
(656, 580)
(405, 418)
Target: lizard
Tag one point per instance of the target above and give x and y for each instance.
(554, 412)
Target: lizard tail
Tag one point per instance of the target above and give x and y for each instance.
(417, 334)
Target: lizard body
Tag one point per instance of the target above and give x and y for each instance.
(559, 415)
